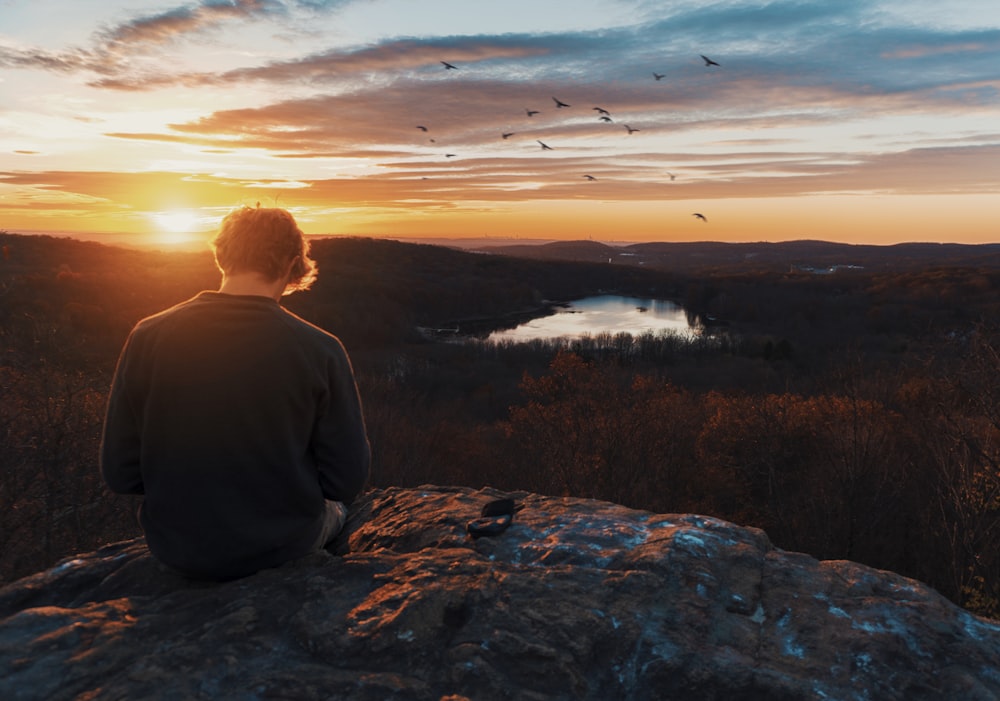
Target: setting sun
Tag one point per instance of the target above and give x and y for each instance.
(176, 227)
(176, 222)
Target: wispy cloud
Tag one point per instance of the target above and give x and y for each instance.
(473, 112)
(111, 46)
(339, 67)
(180, 21)
(770, 174)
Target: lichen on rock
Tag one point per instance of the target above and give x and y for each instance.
(578, 599)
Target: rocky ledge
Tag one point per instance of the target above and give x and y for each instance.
(578, 599)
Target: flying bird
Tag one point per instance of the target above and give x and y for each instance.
(448, 66)
(590, 177)
(545, 147)
(560, 103)
(507, 134)
(699, 215)
(449, 155)
(630, 129)
(421, 128)
(531, 113)
(658, 75)
(601, 110)
(672, 176)
(605, 118)
(708, 61)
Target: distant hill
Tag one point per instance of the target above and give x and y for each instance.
(804, 255)
(586, 251)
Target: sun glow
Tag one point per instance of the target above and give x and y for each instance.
(176, 226)
(176, 222)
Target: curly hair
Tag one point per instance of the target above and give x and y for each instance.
(264, 240)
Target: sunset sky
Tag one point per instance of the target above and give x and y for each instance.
(861, 121)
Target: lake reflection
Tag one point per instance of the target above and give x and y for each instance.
(611, 314)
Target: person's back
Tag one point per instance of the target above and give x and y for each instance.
(239, 423)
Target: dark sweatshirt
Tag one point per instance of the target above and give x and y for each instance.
(234, 419)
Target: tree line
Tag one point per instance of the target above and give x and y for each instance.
(855, 417)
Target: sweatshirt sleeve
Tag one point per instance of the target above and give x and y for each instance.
(120, 437)
(340, 440)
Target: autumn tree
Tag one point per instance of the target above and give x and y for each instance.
(853, 483)
(53, 502)
(591, 430)
(754, 449)
(957, 416)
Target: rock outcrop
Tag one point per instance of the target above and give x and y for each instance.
(578, 599)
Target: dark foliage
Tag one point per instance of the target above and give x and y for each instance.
(851, 415)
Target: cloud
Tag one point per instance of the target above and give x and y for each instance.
(435, 182)
(180, 21)
(337, 67)
(922, 50)
(114, 191)
(468, 114)
(113, 45)
(55, 62)
(723, 21)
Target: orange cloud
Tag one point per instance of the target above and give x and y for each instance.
(168, 25)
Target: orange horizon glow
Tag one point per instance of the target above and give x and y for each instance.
(841, 219)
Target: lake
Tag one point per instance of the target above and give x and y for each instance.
(604, 314)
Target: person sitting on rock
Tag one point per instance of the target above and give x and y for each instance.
(239, 423)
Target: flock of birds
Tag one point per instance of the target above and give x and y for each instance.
(602, 114)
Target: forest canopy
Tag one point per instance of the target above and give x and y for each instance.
(853, 414)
